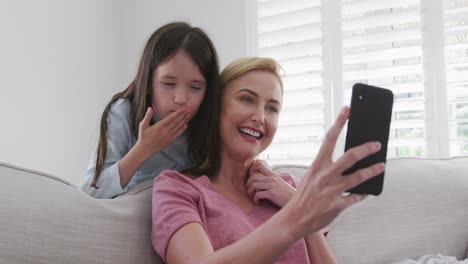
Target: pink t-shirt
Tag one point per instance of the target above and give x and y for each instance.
(179, 200)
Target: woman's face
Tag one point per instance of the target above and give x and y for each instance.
(249, 114)
(177, 83)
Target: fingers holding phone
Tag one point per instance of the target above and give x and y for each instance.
(320, 197)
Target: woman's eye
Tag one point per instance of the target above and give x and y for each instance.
(168, 84)
(247, 99)
(272, 109)
(196, 88)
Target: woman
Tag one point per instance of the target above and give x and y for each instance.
(208, 215)
(142, 127)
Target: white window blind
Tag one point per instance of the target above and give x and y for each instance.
(396, 44)
(382, 47)
(456, 55)
(290, 32)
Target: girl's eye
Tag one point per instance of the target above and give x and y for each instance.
(168, 84)
(196, 88)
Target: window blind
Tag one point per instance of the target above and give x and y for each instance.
(289, 31)
(456, 58)
(382, 47)
(417, 49)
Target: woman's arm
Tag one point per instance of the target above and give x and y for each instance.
(263, 183)
(317, 201)
(318, 249)
(266, 244)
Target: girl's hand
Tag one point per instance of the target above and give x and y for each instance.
(154, 138)
(263, 183)
(319, 199)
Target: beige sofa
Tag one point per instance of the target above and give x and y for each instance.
(423, 210)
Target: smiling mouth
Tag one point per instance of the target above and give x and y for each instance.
(251, 133)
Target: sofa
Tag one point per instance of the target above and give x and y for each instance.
(422, 210)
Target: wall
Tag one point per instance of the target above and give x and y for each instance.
(224, 21)
(62, 60)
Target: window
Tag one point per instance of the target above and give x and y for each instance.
(382, 47)
(456, 58)
(418, 49)
(300, 125)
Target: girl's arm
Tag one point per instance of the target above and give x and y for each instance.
(123, 160)
(151, 140)
(130, 163)
(118, 145)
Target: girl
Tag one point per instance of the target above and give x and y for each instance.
(159, 121)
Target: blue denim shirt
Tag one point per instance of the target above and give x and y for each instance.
(120, 141)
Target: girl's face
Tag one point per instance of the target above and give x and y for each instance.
(249, 116)
(177, 83)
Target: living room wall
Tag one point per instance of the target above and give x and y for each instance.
(61, 61)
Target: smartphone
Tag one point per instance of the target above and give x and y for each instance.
(369, 120)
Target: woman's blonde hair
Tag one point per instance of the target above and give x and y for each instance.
(240, 67)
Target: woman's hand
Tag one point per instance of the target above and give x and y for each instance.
(154, 138)
(263, 183)
(319, 199)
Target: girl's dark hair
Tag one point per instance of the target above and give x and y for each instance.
(163, 44)
(211, 163)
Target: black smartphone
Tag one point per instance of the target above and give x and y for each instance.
(369, 120)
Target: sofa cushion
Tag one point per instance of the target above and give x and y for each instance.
(423, 210)
(47, 220)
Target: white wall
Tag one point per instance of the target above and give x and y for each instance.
(224, 21)
(62, 60)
